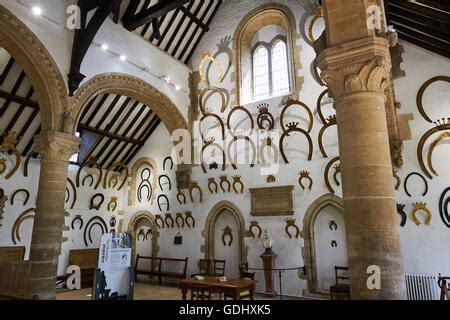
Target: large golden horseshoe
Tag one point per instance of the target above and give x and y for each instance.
(431, 149)
(422, 91)
(208, 57)
(421, 145)
(27, 214)
(317, 16)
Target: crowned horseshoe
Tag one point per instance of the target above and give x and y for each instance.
(145, 184)
(9, 143)
(159, 221)
(212, 185)
(421, 206)
(169, 221)
(210, 143)
(290, 223)
(305, 175)
(293, 127)
(179, 220)
(255, 225)
(317, 16)
(168, 182)
(181, 197)
(163, 196)
(268, 143)
(327, 172)
(107, 183)
(92, 162)
(227, 232)
(265, 116)
(333, 225)
(141, 233)
(190, 221)
(224, 181)
(237, 182)
(194, 185)
(397, 179)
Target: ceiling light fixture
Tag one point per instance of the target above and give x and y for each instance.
(36, 10)
(105, 47)
(122, 57)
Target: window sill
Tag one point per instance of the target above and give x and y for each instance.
(283, 96)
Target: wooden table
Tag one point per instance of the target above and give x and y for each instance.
(231, 287)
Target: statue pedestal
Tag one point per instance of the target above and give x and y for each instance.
(268, 259)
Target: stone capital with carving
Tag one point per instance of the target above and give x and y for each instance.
(54, 145)
(358, 66)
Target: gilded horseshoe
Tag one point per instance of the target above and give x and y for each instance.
(433, 145)
(422, 91)
(253, 225)
(421, 206)
(27, 196)
(207, 57)
(112, 205)
(317, 16)
(331, 122)
(293, 128)
(300, 104)
(212, 185)
(305, 175)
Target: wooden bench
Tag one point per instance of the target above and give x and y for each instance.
(87, 260)
(8, 254)
(157, 270)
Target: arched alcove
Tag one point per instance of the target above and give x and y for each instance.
(133, 225)
(132, 194)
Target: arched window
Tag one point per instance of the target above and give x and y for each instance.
(270, 69)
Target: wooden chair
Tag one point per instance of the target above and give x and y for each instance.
(200, 292)
(204, 267)
(219, 268)
(339, 287)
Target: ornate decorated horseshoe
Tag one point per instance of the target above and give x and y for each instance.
(169, 221)
(250, 142)
(161, 196)
(300, 104)
(255, 225)
(77, 218)
(27, 214)
(168, 182)
(224, 181)
(112, 205)
(290, 223)
(227, 232)
(9, 143)
(331, 122)
(212, 185)
(203, 109)
(265, 116)
(319, 107)
(209, 114)
(94, 205)
(422, 91)
(181, 197)
(268, 143)
(194, 185)
(402, 213)
(421, 206)
(179, 220)
(405, 183)
(333, 225)
(74, 192)
(237, 181)
(27, 196)
(235, 109)
(433, 145)
(305, 175)
(292, 127)
(397, 179)
(112, 222)
(211, 143)
(443, 208)
(440, 126)
(207, 57)
(159, 221)
(141, 233)
(327, 172)
(171, 163)
(88, 176)
(122, 165)
(91, 162)
(189, 217)
(317, 16)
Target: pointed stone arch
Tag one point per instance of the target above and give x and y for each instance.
(132, 229)
(308, 250)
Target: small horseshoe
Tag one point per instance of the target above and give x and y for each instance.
(333, 225)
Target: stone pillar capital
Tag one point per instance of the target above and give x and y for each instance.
(359, 66)
(56, 145)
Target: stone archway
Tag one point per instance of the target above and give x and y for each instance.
(132, 227)
(209, 235)
(133, 174)
(129, 86)
(37, 63)
(309, 249)
(267, 14)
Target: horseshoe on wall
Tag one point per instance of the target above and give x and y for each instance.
(305, 175)
(27, 196)
(443, 208)
(397, 179)
(300, 104)
(188, 217)
(317, 16)
(207, 57)
(211, 143)
(326, 173)
(168, 182)
(26, 163)
(179, 220)
(319, 107)
(331, 122)
(112, 222)
(422, 91)
(204, 110)
(141, 233)
(255, 225)
(194, 185)
(209, 114)
(421, 206)
(292, 127)
(112, 205)
(440, 126)
(290, 223)
(405, 183)
(113, 181)
(181, 197)
(88, 176)
(171, 163)
(2, 165)
(433, 145)
(77, 218)
(239, 108)
(337, 170)
(145, 184)
(333, 225)
(227, 232)
(114, 166)
(161, 196)
(97, 220)
(159, 221)
(265, 116)
(9, 143)
(224, 181)
(149, 232)
(212, 185)
(169, 221)
(237, 181)
(27, 214)
(268, 143)
(92, 162)
(98, 205)
(334, 243)
(250, 141)
(402, 213)
(74, 191)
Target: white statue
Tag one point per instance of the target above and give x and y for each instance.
(268, 240)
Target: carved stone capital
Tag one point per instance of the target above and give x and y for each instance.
(358, 66)
(56, 145)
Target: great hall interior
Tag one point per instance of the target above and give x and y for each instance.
(290, 149)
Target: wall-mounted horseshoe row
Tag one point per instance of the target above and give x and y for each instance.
(114, 177)
(92, 162)
(27, 196)
(10, 143)
(421, 206)
(305, 175)
(97, 220)
(290, 224)
(180, 221)
(405, 183)
(444, 204)
(15, 231)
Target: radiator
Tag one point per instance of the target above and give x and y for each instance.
(422, 287)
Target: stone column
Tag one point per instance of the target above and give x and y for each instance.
(357, 74)
(55, 149)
